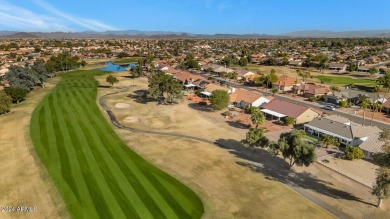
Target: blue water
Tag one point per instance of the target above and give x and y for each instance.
(117, 68)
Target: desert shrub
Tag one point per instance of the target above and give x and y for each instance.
(353, 153)
(343, 103)
(289, 121)
(232, 109)
(203, 103)
(227, 113)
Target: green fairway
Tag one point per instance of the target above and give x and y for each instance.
(343, 80)
(97, 175)
(125, 61)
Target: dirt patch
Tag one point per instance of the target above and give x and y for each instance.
(122, 106)
(24, 180)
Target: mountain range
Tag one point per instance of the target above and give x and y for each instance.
(176, 35)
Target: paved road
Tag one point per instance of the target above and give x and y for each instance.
(275, 170)
(352, 117)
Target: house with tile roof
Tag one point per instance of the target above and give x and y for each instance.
(279, 109)
(285, 83)
(348, 133)
(244, 98)
(312, 90)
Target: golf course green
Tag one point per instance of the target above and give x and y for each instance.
(95, 172)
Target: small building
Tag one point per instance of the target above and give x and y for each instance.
(278, 109)
(312, 90)
(285, 83)
(338, 66)
(244, 98)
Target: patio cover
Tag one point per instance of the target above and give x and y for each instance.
(267, 111)
(206, 93)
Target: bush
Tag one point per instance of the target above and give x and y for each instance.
(17, 94)
(5, 103)
(353, 153)
(312, 99)
(203, 103)
(232, 109)
(250, 110)
(343, 103)
(325, 161)
(289, 121)
(227, 113)
(211, 79)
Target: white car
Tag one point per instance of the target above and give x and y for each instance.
(329, 107)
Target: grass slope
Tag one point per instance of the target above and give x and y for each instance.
(343, 80)
(97, 175)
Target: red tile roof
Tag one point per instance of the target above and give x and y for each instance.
(289, 109)
(285, 80)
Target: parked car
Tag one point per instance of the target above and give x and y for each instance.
(329, 107)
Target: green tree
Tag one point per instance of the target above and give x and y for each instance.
(334, 89)
(271, 78)
(364, 104)
(20, 77)
(83, 63)
(257, 117)
(292, 147)
(112, 80)
(372, 71)
(243, 61)
(353, 153)
(40, 71)
(328, 140)
(381, 187)
(255, 138)
(164, 86)
(17, 94)
(303, 74)
(274, 91)
(289, 120)
(219, 99)
(382, 183)
(385, 82)
(5, 103)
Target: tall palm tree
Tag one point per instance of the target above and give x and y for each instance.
(376, 89)
(385, 82)
(364, 104)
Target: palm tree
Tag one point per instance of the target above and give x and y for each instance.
(334, 89)
(385, 82)
(375, 104)
(364, 104)
(328, 140)
(257, 118)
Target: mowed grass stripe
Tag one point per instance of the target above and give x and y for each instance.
(51, 139)
(116, 181)
(144, 188)
(161, 196)
(123, 192)
(104, 201)
(79, 188)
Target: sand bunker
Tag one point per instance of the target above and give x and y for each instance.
(131, 119)
(122, 106)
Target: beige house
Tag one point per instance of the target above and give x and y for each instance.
(278, 110)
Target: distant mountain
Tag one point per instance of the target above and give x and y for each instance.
(341, 34)
(6, 32)
(20, 35)
(123, 34)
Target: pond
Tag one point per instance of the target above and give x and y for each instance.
(117, 68)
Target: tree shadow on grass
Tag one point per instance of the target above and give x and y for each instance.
(237, 124)
(204, 108)
(276, 168)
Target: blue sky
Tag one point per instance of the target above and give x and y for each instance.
(195, 16)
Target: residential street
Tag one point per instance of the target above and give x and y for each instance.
(315, 105)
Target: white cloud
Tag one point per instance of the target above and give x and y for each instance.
(22, 19)
(18, 18)
(86, 23)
